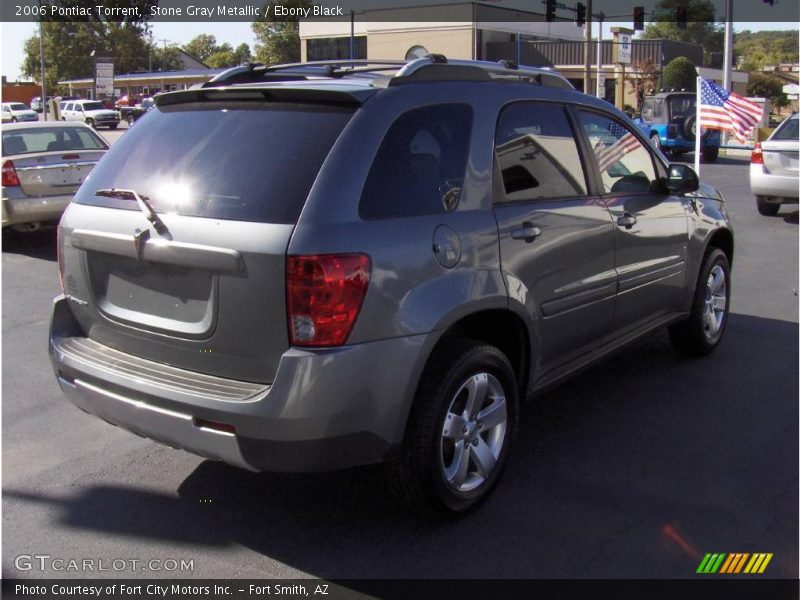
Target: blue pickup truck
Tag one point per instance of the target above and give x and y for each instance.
(669, 119)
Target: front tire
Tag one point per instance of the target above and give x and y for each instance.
(13, 119)
(131, 121)
(460, 430)
(113, 126)
(90, 123)
(703, 330)
(768, 209)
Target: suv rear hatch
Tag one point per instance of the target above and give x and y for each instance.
(205, 290)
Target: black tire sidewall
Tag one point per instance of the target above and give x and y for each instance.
(480, 358)
(715, 257)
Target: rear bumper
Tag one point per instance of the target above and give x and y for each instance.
(18, 208)
(771, 185)
(325, 409)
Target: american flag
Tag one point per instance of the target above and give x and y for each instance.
(721, 109)
(610, 155)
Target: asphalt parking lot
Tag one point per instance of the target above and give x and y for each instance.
(634, 469)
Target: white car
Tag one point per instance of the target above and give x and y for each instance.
(14, 112)
(774, 168)
(91, 112)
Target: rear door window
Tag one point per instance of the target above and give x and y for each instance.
(537, 154)
(420, 165)
(244, 161)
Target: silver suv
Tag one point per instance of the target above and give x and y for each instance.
(308, 267)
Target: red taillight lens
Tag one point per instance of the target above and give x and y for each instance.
(10, 178)
(757, 157)
(324, 293)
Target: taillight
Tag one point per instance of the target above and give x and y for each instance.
(10, 178)
(757, 157)
(324, 293)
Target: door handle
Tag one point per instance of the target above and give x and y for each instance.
(627, 221)
(527, 232)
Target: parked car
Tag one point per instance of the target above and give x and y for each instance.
(131, 113)
(91, 112)
(43, 166)
(14, 112)
(37, 105)
(419, 253)
(669, 120)
(773, 168)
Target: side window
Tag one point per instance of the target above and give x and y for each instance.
(648, 110)
(68, 106)
(624, 163)
(658, 109)
(420, 165)
(537, 155)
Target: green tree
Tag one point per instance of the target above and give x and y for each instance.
(221, 59)
(766, 86)
(71, 47)
(278, 39)
(202, 46)
(700, 28)
(756, 49)
(643, 81)
(242, 54)
(680, 74)
(166, 59)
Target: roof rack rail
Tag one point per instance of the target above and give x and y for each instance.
(432, 67)
(413, 71)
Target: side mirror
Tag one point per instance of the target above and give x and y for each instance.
(682, 179)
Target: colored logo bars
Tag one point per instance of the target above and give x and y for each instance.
(735, 563)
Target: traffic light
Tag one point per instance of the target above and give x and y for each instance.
(638, 18)
(681, 16)
(580, 14)
(550, 11)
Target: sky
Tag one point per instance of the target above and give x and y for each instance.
(14, 35)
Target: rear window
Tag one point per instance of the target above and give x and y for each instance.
(242, 161)
(787, 131)
(49, 139)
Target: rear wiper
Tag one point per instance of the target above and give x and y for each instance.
(142, 201)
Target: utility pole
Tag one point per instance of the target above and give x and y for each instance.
(727, 59)
(41, 67)
(587, 63)
(352, 35)
(600, 93)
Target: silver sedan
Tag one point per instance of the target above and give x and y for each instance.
(774, 170)
(44, 164)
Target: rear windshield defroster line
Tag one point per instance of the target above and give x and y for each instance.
(243, 161)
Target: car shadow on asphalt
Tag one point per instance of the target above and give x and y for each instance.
(634, 468)
(36, 244)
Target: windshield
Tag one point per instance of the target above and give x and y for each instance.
(92, 106)
(243, 161)
(17, 106)
(682, 106)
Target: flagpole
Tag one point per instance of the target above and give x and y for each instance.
(697, 128)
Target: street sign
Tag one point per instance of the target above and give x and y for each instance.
(104, 78)
(663, 12)
(623, 46)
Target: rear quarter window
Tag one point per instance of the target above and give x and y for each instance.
(245, 161)
(420, 165)
(787, 131)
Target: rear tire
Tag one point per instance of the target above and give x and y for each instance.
(13, 119)
(710, 154)
(703, 330)
(459, 432)
(131, 121)
(768, 209)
